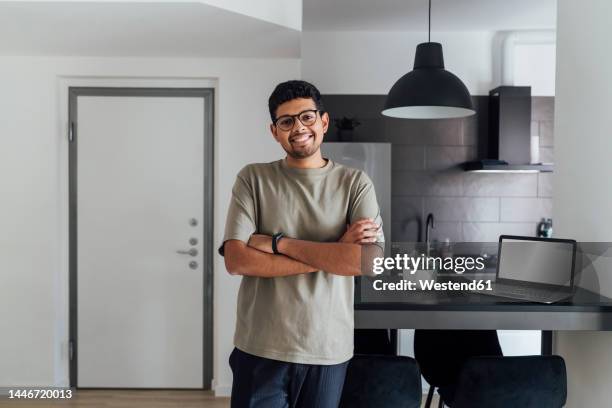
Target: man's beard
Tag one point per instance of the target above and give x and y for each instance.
(302, 154)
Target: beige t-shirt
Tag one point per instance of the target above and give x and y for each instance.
(306, 318)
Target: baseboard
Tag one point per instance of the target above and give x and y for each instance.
(223, 390)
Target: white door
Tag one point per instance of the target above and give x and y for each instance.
(140, 185)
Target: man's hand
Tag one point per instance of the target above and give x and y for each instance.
(261, 242)
(363, 231)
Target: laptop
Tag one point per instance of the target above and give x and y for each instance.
(534, 269)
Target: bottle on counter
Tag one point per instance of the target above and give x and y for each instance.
(544, 229)
(549, 228)
(446, 249)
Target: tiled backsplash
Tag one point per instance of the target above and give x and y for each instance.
(426, 158)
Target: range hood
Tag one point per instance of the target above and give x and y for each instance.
(506, 147)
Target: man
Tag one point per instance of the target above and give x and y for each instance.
(286, 234)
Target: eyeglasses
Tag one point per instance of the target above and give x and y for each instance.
(307, 118)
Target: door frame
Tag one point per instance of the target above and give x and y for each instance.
(208, 216)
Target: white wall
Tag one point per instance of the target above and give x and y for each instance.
(361, 62)
(534, 65)
(582, 195)
(287, 13)
(33, 171)
(526, 58)
(365, 62)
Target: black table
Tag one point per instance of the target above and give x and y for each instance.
(469, 311)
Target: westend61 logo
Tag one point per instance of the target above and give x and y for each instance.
(409, 266)
(411, 263)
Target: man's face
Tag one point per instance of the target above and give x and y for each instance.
(301, 141)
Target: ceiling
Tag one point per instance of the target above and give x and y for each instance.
(185, 29)
(411, 15)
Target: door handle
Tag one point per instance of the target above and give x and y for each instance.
(192, 252)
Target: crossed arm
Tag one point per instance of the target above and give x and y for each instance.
(299, 256)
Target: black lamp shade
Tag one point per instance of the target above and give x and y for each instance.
(428, 91)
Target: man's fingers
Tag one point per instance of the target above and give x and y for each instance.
(361, 229)
(363, 221)
(365, 225)
(367, 240)
(367, 234)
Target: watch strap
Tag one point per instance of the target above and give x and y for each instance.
(275, 238)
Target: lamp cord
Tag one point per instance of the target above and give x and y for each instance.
(429, 24)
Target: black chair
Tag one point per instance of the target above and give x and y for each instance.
(509, 382)
(441, 355)
(374, 341)
(382, 382)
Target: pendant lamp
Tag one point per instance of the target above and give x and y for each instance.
(428, 91)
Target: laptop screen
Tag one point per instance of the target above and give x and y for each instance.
(541, 261)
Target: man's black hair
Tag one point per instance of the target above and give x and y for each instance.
(293, 89)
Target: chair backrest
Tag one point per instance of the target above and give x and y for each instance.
(373, 341)
(509, 382)
(442, 353)
(381, 382)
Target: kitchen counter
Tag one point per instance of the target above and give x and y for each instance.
(582, 301)
(586, 310)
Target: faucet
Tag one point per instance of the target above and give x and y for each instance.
(430, 220)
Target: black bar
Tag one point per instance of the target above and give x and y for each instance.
(547, 343)
(393, 339)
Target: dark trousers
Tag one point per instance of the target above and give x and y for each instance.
(263, 383)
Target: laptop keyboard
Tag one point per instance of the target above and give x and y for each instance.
(525, 292)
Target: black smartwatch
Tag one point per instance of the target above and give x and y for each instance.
(275, 238)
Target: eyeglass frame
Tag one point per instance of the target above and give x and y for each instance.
(297, 116)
